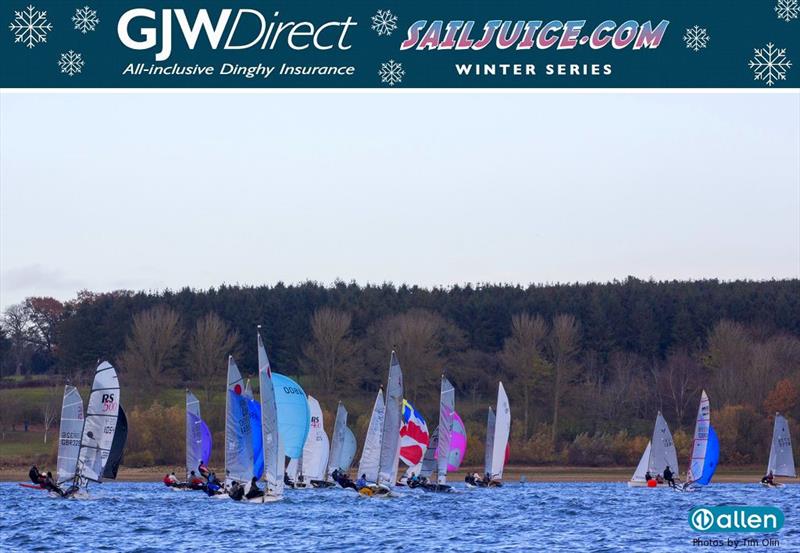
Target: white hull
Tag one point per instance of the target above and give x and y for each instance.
(264, 499)
(639, 484)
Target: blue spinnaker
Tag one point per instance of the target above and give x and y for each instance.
(205, 441)
(258, 450)
(294, 416)
(712, 457)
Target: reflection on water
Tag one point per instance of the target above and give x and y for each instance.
(548, 517)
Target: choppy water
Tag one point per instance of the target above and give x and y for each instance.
(546, 517)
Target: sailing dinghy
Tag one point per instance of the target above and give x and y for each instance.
(498, 427)
(414, 440)
(705, 449)
(444, 436)
(659, 454)
(97, 432)
(239, 462)
(69, 438)
(198, 440)
(312, 464)
(270, 438)
(381, 455)
(781, 458)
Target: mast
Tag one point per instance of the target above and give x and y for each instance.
(273, 452)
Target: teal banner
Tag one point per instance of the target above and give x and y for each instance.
(736, 518)
(313, 44)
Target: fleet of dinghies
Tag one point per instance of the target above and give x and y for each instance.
(285, 423)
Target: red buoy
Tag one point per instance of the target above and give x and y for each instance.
(652, 483)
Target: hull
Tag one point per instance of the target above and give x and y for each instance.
(775, 485)
(640, 484)
(377, 491)
(31, 486)
(263, 499)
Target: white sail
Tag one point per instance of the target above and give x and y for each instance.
(490, 426)
(315, 449)
(392, 422)
(371, 454)
(273, 450)
(663, 453)
(781, 459)
(446, 409)
(700, 441)
(69, 433)
(238, 433)
(429, 460)
(293, 469)
(194, 433)
(337, 442)
(100, 423)
(641, 468)
(348, 450)
(248, 391)
(502, 429)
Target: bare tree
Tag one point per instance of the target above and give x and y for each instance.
(45, 313)
(678, 377)
(152, 346)
(331, 351)
(209, 345)
(17, 323)
(523, 357)
(564, 343)
(730, 357)
(423, 341)
(49, 411)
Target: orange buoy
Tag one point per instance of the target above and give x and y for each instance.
(652, 483)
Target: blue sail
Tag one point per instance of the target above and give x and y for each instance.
(205, 441)
(258, 449)
(712, 457)
(294, 416)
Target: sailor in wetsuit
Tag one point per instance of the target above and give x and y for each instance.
(36, 476)
(254, 490)
(237, 491)
(51, 486)
(669, 477)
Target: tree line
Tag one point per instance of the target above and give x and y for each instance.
(587, 366)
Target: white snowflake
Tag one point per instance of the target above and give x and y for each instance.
(30, 26)
(696, 38)
(85, 19)
(71, 63)
(769, 64)
(787, 9)
(391, 72)
(384, 22)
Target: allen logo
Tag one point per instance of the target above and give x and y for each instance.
(736, 518)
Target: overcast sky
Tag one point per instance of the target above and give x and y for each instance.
(151, 191)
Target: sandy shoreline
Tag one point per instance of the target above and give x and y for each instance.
(512, 474)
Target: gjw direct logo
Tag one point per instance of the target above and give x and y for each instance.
(736, 518)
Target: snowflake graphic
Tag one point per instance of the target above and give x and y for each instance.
(85, 19)
(769, 64)
(384, 22)
(391, 72)
(71, 63)
(696, 38)
(787, 9)
(30, 26)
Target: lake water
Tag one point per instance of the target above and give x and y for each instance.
(546, 517)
